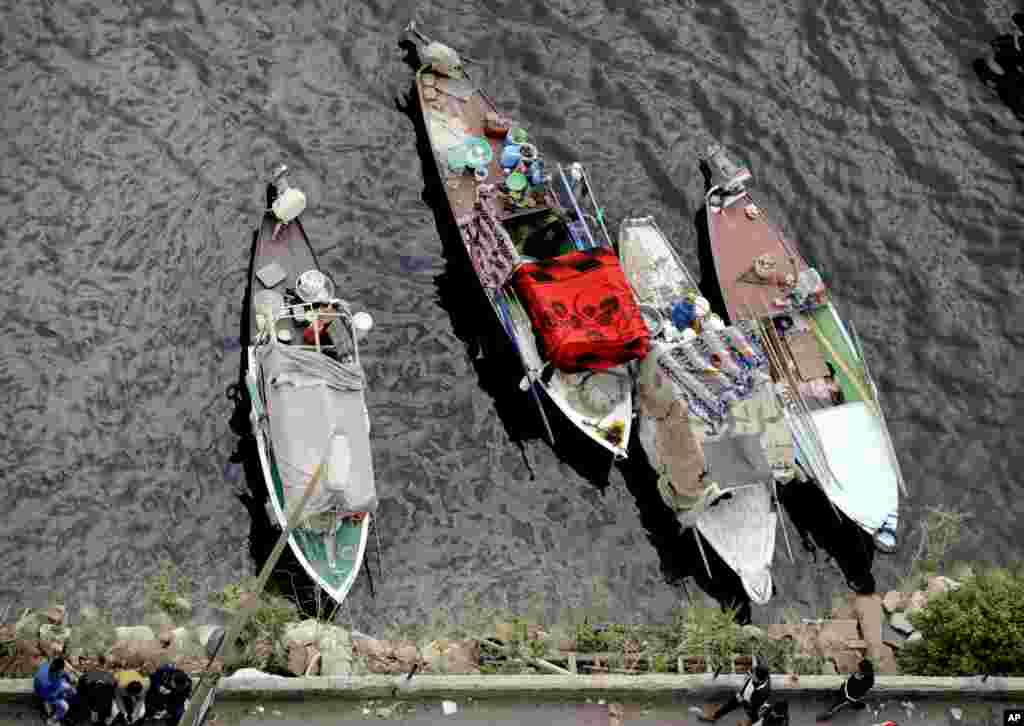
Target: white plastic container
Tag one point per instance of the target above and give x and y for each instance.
(289, 204)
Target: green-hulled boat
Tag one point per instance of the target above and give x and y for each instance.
(306, 387)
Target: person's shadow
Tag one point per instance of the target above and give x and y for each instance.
(489, 349)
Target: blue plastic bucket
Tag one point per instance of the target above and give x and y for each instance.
(510, 156)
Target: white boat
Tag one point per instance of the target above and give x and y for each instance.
(708, 417)
(833, 407)
(306, 386)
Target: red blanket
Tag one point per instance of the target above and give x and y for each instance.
(583, 309)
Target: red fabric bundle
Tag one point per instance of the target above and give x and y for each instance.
(583, 310)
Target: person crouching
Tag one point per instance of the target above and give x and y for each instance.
(130, 695)
(756, 691)
(169, 691)
(851, 694)
(53, 685)
(96, 696)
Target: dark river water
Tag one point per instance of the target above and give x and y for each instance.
(136, 138)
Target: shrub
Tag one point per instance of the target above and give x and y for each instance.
(266, 624)
(975, 630)
(709, 631)
(169, 591)
(94, 634)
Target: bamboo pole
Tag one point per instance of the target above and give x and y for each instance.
(194, 714)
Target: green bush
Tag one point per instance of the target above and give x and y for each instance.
(975, 630)
(94, 634)
(170, 592)
(266, 624)
(709, 631)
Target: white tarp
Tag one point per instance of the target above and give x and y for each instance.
(309, 395)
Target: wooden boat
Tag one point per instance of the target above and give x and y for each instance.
(306, 387)
(832, 404)
(504, 228)
(707, 417)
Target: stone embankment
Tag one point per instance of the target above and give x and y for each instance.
(875, 626)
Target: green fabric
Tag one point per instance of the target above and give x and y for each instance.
(829, 328)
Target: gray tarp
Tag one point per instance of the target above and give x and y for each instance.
(308, 394)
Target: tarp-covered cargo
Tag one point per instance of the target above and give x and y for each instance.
(583, 310)
(309, 395)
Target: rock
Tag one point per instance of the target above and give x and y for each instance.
(139, 654)
(55, 614)
(955, 715)
(308, 631)
(752, 631)
(453, 656)
(183, 605)
(27, 627)
(845, 608)
(806, 636)
(407, 656)
(895, 601)
(857, 644)
(298, 658)
(940, 585)
(829, 668)
(20, 665)
(918, 601)
(335, 646)
(52, 638)
(868, 609)
(88, 612)
(181, 639)
(505, 632)
(891, 635)
(887, 663)
(915, 636)
(567, 645)
(197, 664)
(166, 635)
(846, 661)
(835, 634)
(900, 623)
(136, 632)
(157, 620)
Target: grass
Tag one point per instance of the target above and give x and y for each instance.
(94, 634)
(259, 642)
(940, 532)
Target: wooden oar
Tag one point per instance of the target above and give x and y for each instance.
(205, 692)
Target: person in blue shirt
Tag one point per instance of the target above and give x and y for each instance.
(53, 685)
(169, 691)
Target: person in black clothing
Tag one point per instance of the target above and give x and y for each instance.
(169, 691)
(96, 697)
(851, 694)
(753, 696)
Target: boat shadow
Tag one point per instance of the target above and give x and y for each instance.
(490, 351)
(817, 522)
(678, 552)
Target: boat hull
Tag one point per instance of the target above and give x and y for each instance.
(335, 574)
(443, 104)
(864, 486)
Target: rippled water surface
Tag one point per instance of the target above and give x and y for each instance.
(135, 140)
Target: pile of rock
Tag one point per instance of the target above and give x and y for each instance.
(874, 626)
(900, 605)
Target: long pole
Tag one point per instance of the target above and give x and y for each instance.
(509, 325)
(195, 714)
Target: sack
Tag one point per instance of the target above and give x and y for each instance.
(583, 310)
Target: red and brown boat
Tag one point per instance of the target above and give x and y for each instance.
(832, 405)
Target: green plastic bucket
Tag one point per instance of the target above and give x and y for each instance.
(516, 182)
(478, 152)
(457, 158)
